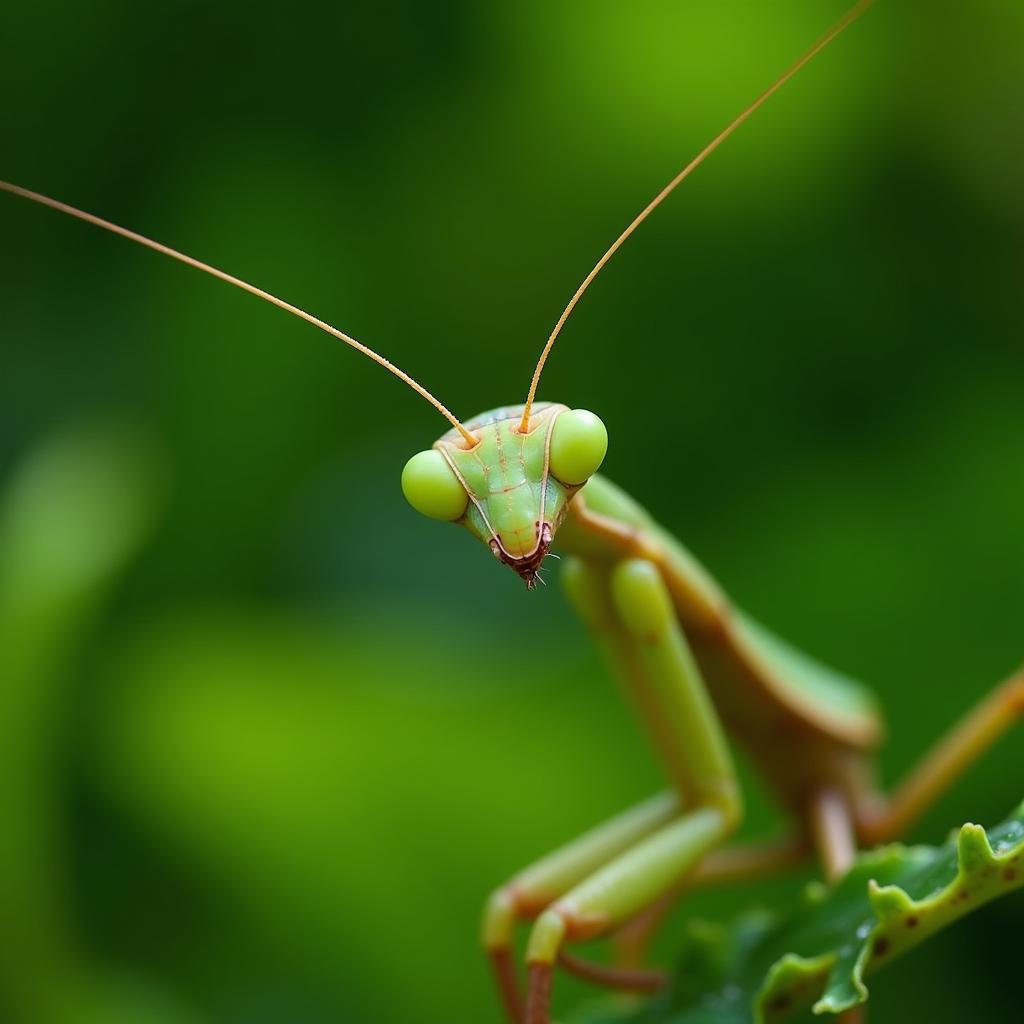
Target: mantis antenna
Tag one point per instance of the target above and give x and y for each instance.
(847, 19)
(54, 204)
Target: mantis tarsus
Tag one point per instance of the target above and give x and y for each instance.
(691, 662)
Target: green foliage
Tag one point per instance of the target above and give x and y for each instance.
(766, 966)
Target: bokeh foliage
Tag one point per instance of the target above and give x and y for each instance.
(281, 767)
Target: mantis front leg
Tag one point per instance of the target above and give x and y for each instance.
(629, 609)
(526, 895)
(534, 889)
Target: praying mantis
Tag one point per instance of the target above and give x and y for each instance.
(524, 478)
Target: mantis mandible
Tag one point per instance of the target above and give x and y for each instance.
(694, 666)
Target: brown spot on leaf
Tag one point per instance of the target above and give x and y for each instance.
(1009, 874)
(881, 947)
(912, 921)
(780, 1003)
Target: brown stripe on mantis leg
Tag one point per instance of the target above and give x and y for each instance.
(882, 817)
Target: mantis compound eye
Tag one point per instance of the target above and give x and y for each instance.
(579, 441)
(432, 488)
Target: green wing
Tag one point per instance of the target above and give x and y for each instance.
(811, 680)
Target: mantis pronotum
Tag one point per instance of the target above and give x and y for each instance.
(516, 478)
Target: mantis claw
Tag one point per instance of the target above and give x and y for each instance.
(503, 965)
(538, 994)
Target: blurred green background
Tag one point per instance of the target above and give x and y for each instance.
(259, 764)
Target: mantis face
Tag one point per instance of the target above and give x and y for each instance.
(511, 489)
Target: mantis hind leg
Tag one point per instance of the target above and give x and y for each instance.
(881, 818)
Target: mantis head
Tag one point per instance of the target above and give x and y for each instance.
(512, 488)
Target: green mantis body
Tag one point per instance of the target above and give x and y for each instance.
(522, 479)
(694, 667)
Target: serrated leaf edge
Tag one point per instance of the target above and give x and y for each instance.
(902, 922)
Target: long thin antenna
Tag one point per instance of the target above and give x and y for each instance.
(851, 15)
(54, 204)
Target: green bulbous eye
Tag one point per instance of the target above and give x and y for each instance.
(579, 441)
(431, 487)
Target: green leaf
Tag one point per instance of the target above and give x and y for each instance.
(765, 967)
